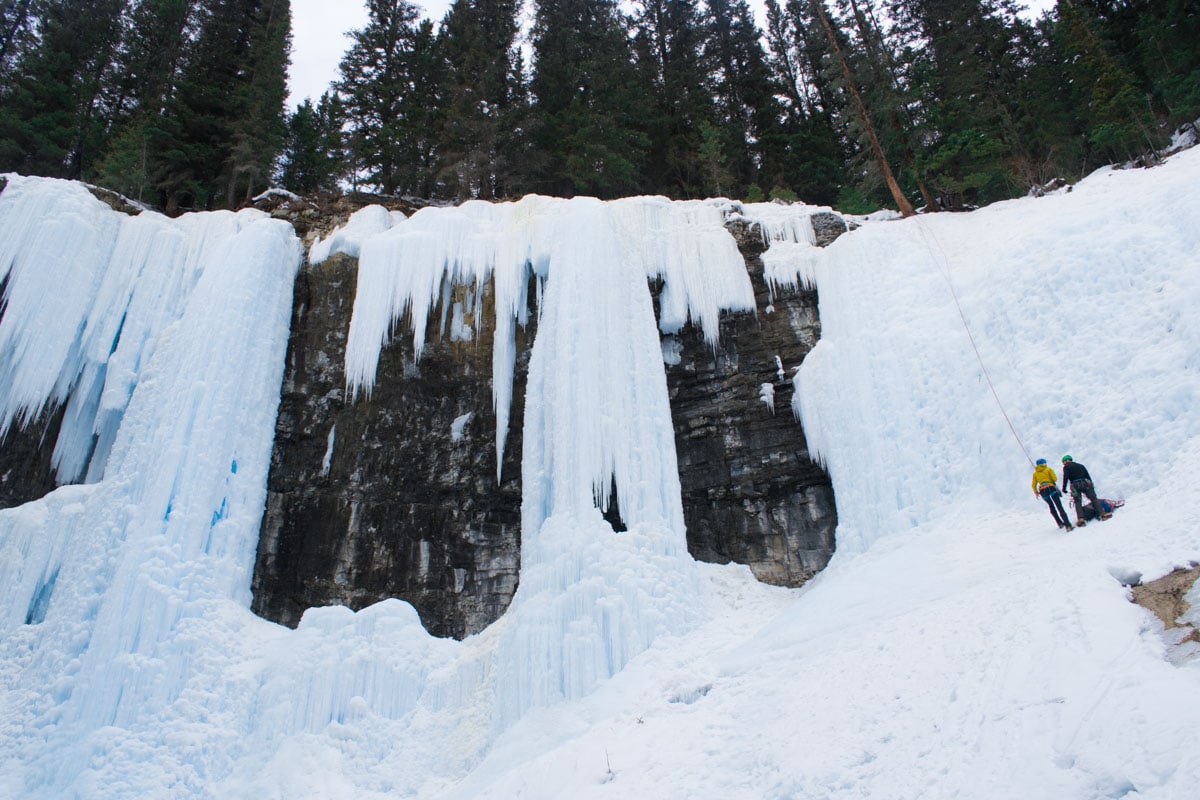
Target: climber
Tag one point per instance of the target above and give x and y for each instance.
(1077, 476)
(1045, 486)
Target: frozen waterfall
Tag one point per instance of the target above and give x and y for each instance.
(132, 662)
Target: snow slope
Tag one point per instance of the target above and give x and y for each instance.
(958, 646)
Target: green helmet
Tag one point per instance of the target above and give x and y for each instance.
(1067, 458)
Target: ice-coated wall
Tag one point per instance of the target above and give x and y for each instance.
(165, 339)
(132, 665)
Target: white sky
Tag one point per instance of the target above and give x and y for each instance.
(319, 40)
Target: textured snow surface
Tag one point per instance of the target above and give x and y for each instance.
(958, 646)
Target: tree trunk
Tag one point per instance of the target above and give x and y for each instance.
(902, 202)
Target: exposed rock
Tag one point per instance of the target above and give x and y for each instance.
(408, 510)
(829, 226)
(409, 504)
(751, 493)
(1165, 597)
(25, 453)
(117, 202)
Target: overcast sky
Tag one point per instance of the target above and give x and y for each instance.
(319, 37)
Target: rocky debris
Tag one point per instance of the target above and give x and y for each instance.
(117, 202)
(1166, 598)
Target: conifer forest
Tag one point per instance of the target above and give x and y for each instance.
(860, 104)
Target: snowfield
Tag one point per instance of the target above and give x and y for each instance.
(958, 646)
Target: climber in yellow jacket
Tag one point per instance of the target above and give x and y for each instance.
(1045, 486)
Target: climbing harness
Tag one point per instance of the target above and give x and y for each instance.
(942, 265)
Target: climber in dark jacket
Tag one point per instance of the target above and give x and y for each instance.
(1076, 476)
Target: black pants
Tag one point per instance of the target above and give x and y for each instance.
(1084, 487)
(1053, 498)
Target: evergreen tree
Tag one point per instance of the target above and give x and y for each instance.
(744, 91)
(258, 126)
(221, 130)
(1168, 46)
(388, 88)
(1055, 142)
(143, 80)
(16, 33)
(590, 111)
(965, 75)
(836, 43)
(806, 153)
(668, 54)
(1118, 119)
(50, 117)
(477, 39)
(312, 154)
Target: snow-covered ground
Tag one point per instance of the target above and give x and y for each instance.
(959, 645)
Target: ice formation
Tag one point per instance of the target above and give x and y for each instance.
(127, 596)
(1012, 662)
(169, 338)
(407, 267)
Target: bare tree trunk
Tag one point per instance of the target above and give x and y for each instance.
(902, 202)
(882, 61)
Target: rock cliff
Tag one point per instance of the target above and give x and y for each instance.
(396, 496)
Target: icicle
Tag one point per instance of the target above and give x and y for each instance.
(766, 393)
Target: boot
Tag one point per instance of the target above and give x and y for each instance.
(1080, 524)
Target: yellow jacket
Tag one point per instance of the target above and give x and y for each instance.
(1043, 474)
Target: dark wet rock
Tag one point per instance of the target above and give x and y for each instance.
(25, 457)
(408, 505)
(406, 509)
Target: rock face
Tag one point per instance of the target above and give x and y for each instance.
(396, 496)
(25, 453)
(392, 496)
(751, 493)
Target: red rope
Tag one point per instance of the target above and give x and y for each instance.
(942, 267)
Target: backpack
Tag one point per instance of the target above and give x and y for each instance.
(1086, 511)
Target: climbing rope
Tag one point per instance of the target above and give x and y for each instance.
(942, 265)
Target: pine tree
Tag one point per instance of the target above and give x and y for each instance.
(51, 121)
(841, 59)
(16, 33)
(1118, 119)
(258, 126)
(669, 33)
(312, 156)
(1168, 44)
(806, 153)
(965, 76)
(589, 114)
(143, 80)
(747, 110)
(477, 39)
(220, 131)
(389, 90)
